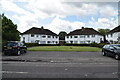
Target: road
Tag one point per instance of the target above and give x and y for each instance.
(41, 64)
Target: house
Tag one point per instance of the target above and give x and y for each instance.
(39, 35)
(84, 35)
(113, 36)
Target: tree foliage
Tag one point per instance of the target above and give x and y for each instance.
(62, 35)
(103, 31)
(9, 30)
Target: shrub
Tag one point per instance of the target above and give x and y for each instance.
(67, 44)
(36, 44)
(100, 45)
(31, 44)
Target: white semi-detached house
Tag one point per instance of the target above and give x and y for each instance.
(39, 35)
(84, 35)
(113, 36)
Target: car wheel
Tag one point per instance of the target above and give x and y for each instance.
(117, 57)
(18, 53)
(103, 53)
(25, 51)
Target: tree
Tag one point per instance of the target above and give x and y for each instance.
(62, 35)
(103, 32)
(9, 30)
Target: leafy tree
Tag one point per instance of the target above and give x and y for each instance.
(103, 32)
(9, 30)
(62, 35)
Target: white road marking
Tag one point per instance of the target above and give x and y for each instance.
(13, 72)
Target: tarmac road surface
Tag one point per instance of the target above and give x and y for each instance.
(45, 64)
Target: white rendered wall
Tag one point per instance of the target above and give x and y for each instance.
(79, 40)
(114, 36)
(29, 39)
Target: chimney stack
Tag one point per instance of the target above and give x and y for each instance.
(82, 27)
(42, 27)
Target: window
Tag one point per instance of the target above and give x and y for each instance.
(48, 42)
(42, 42)
(82, 41)
(88, 36)
(93, 35)
(111, 35)
(107, 35)
(75, 36)
(75, 41)
(43, 36)
(23, 38)
(32, 35)
(106, 46)
(56, 37)
(88, 41)
(111, 47)
(71, 42)
(21, 44)
(37, 41)
(82, 36)
(56, 42)
(49, 36)
(70, 36)
(67, 36)
(37, 35)
(53, 36)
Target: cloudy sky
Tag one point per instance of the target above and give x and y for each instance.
(61, 15)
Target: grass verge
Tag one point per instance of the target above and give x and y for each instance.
(65, 48)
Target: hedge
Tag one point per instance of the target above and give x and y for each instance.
(100, 45)
(36, 44)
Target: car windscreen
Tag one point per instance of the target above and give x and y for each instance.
(11, 44)
(117, 46)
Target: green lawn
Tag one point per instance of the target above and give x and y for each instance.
(64, 48)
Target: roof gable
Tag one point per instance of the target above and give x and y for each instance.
(41, 30)
(117, 29)
(84, 31)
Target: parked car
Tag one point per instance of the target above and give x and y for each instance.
(112, 50)
(14, 47)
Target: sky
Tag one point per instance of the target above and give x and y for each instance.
(61, 15)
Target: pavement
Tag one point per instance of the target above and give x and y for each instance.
(52, 64)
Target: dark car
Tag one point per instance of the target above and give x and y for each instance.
(14, 47)
(112, 50)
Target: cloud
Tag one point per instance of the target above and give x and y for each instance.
(33, 11)
(104, 23)
(108, 11)
(7, 5)
(58, 25)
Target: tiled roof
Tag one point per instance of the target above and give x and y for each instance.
(84, 31)
(41, 30)
(117, 29)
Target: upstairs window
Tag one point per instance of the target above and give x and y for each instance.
(75, 36)
(32, 35)
(93, 35)
(23, 38)
(43, 36)
(88, 36)
(37, 35)
(111, 35)
(82, 36)
(49, 36)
